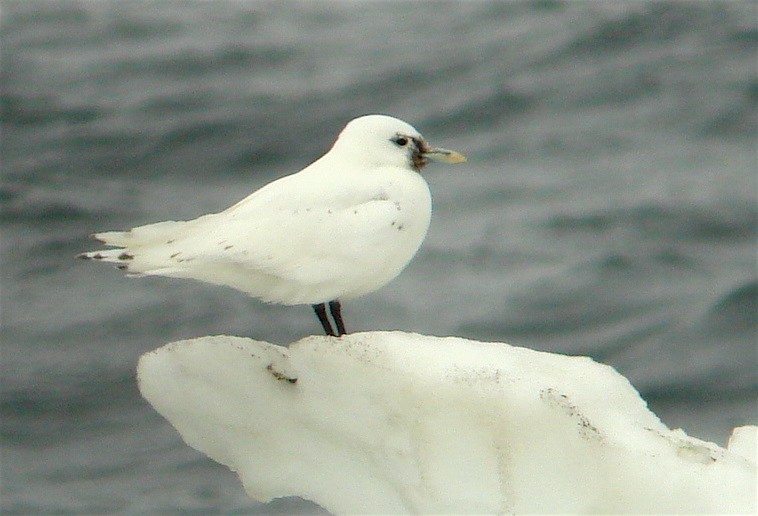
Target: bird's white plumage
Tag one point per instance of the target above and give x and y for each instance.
(342, 227)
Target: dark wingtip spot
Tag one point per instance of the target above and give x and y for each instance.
(174, 255)
(84, 256)
(98, 256)
(122, 267)
(126, 256)
(228, 247)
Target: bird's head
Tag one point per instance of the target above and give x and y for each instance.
(381, 140)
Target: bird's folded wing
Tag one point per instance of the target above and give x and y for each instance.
(309, 244)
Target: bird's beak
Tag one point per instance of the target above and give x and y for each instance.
(444, 155)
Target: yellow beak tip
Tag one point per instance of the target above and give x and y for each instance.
(446, 156)
(457, 157)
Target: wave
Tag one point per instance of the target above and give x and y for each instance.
(734, 312)
(733, 221)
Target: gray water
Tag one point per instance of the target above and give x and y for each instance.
(608, 207)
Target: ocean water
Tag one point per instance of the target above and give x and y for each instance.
(608, 207)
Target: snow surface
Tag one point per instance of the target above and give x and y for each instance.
(390, 422)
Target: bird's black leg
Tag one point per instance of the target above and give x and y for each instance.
(336, 309)
(320, 310)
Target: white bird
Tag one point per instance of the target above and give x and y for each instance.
(342, 227)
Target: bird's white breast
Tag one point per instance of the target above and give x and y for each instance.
(398, 225)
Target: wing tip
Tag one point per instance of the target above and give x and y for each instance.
(91, 255)
(107, 255)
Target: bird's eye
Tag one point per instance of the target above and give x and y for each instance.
(401, 141)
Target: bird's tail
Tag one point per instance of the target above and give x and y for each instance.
(142, 235)
(120, 256)
(133, 243)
